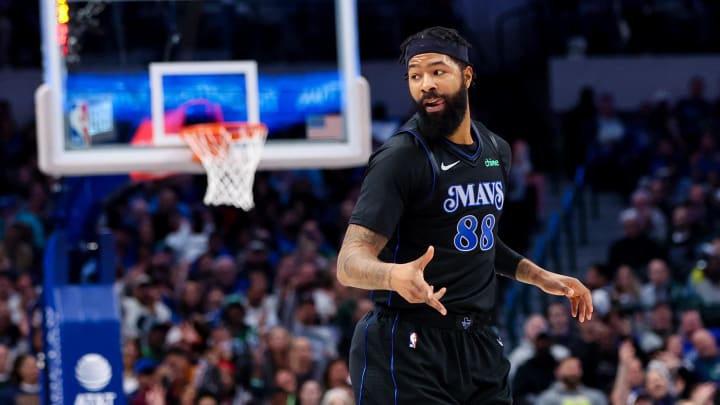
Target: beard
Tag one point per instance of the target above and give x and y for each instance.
(436, 125)
(571, 382)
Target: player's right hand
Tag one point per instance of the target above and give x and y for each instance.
(407, 279)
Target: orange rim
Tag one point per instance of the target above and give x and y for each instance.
(213, 133)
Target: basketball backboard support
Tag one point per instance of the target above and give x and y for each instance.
(113, 100)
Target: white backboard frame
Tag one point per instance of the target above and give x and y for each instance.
(158, 70)
(55, 158)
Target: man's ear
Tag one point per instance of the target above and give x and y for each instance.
(468, 75)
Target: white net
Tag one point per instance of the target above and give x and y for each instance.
(230, 154)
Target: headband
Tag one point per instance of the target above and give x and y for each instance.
(432, 45)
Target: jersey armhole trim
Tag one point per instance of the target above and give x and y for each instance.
(431, 157)
(481, 129)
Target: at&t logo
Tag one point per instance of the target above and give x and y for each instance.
(93, 372)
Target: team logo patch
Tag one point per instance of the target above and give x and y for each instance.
(413, 340)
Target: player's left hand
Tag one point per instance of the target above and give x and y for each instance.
(581, 305)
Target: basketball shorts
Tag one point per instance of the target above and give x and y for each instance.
(419, 358)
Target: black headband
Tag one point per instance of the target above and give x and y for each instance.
(432, 45)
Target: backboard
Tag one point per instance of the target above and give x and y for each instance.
(122, 77)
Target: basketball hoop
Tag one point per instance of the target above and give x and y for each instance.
(230, 153)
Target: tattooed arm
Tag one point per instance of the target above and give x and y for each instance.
(358, 263)
(359, 266)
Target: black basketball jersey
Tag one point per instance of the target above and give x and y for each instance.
(419, 193)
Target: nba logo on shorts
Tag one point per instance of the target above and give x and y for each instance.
(413, 340)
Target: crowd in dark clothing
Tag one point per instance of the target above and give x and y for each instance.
(223, 306)
(216, 303)
(654, 336)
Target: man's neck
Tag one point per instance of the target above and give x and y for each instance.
(463, 135)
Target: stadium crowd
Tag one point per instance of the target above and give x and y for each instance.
(222, 306)
(225, 307)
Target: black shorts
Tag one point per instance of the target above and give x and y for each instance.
(425, 358)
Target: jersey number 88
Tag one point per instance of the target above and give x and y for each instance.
(467, 238)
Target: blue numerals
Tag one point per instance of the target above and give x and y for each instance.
(467, 239)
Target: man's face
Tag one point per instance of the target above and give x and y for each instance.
(558, 316)
(570, 372)
(439, 88)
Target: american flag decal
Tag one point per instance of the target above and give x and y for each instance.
(325, 127)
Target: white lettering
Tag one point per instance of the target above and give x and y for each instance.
(54, 351)
(317, 95)
(102, 398)
(488, 193)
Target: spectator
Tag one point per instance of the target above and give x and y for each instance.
(164, 211)
(26, 378)
(6, 377)
(10, 332)
(178, 371)
(561, 330)
(568, 385)
(301, 361)
(599, 356)
(9, 297)
(659, 384)
(214, 302)
(261, 307)
(310, 393)
(660, 288)
(702, 394)
(189, 239)
(536, 374)
(684, 238)
(227, 275)
(534, 325)
(626, 289)
(273, 356)
(16, 248)
(707, 362)
(336, 374)
(651, 218)
(705, 162)
(693, 112)
(660, 321)
(206, 398)
(708, 288)
(143, 308)
(597, 276)
(285, 384)
(634, 248)
(690, 322)
(337, 396)
(130, 356)
(699, 208)
(190, 301)
(606, 152)
(147, 378)
(630, 375)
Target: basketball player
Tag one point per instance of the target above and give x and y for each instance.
(423, 236)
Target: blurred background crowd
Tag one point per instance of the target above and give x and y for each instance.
(221, 306)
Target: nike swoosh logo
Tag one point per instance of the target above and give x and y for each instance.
(445, 167)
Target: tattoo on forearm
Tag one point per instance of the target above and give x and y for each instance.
(527, 272)
(358, 262)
